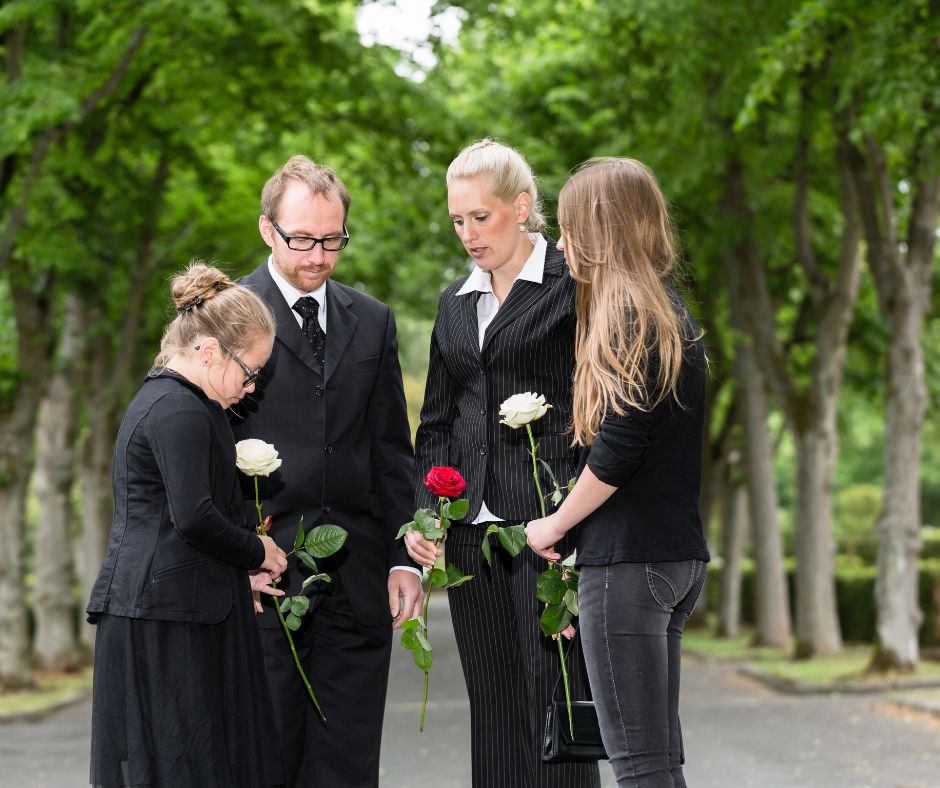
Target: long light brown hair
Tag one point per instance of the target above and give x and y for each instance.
(620, 247)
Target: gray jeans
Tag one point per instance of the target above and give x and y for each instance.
(632, 616)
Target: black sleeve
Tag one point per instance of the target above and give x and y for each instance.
(620, 445)
(181, 437)
(432, 442)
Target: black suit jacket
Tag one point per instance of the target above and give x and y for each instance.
(343, 437)
(529, 346)
(179, 529)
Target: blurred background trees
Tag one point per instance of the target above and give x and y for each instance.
(798, 145)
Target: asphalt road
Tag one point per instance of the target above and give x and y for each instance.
(737, 733)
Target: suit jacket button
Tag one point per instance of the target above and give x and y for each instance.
(328, 449)
(318, 391)
(326, 509)
(483, 449)
(483, 409)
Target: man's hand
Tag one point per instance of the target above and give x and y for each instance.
(405, 596)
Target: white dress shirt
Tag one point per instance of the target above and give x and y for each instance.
(481, 282)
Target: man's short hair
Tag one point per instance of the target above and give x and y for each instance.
(319, 178)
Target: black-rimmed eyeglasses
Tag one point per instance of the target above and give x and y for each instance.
(303, 243)
(250, 377)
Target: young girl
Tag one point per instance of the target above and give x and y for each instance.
(180, 696)
(638, 412)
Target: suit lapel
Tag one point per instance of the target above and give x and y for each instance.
(340, 326)
(467, 307)
(525, 294)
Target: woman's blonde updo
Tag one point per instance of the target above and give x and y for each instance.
(210, 304)
(508, 172)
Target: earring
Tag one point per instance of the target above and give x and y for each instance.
(521, 228)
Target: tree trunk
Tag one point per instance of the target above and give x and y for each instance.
(97, 501)
(817, 619)
(899, 616)
(904, 287)
(17, 428)
(772, 602)
(54, 604)
(734, 534)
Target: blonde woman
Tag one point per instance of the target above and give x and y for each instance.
(638, 409)
(180, 694)
(508, 327)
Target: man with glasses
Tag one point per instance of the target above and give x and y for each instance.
(331, 401)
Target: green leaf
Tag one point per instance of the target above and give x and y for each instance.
(299, 539)
(485, 547)
(438, 578)
(325, 540)
(422, 658)
(285, 604)
(571, 601)
(434, 534)
(409, 639)
(292, 622)
(569, 561)
(492, 528)
(550, 587)
(456, 576)
(422, 640)
(457, 510)
(548, 470)
(571, 483)
(319, 577)
(556, 497)
(299, 605)
(554, 619)
(410, 623)
(412, 526)
(425, 519)
(304, 557)
(512, 538)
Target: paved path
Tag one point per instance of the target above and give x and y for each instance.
(737, 734)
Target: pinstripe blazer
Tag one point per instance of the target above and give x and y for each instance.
(529, 346)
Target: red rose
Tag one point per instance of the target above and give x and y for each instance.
(445, 481)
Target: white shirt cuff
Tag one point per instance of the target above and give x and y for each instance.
(407, 569)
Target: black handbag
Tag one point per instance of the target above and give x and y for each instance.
(558, 745)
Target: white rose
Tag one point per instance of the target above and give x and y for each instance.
(520, 409)
(256, 458)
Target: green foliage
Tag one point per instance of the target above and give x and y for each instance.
(855, 598)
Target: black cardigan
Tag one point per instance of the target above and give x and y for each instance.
(654, 458)
(179, 525)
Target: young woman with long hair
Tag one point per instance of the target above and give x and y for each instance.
(638, 414)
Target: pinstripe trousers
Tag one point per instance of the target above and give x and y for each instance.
(510, 667)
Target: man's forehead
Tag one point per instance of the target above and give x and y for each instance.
(300, 204)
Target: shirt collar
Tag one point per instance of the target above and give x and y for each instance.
(533, 270)
(292, 294)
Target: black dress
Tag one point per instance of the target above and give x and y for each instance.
(180, 695)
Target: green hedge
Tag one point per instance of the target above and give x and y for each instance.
(855, 597)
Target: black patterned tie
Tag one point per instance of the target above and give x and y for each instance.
(308, 307)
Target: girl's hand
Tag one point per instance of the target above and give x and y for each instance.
(261, 583)
(542, 535)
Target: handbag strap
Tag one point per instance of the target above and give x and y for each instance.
(577, 632)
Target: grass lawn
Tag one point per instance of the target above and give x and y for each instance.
(51, 687)
(850, 665)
